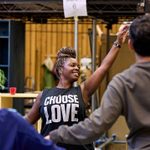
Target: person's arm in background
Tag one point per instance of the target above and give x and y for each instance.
(89, 86)
(93, 127)
(33, 115)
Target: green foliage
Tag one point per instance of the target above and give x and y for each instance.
(2, 79)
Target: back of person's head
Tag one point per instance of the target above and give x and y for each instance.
(63, 54)
(139, 33)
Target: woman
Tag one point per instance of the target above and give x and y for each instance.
(65, 103)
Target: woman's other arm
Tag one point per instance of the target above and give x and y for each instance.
(33, 115)
(89, 86)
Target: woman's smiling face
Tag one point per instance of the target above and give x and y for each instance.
(71, 69)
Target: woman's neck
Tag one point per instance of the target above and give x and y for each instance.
(64, 84)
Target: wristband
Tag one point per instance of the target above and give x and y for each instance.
(116, 44)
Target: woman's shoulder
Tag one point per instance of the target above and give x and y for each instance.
(48, 90)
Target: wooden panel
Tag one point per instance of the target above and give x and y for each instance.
(121, 130)
(6, 103)
(123, 61)
(64, 39)
(70, 34)
(43, 40)
(27, 51)
(33, 48)
(38, 58)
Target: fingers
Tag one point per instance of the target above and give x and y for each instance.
(122, 33)
(123, 27)
(47, 137)
(125, 36)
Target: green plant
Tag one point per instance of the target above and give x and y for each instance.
(2, 79)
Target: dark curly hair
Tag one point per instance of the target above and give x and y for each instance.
(62, 55)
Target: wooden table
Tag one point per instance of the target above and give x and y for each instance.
(6, 101)
(6, 98)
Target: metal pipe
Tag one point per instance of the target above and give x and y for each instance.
(108, 141)
(94, 101)
(101, 143)
(76, 39)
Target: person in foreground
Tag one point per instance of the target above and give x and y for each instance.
(128, 94)
(65, 104)
(17, 134)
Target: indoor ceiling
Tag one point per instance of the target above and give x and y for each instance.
(103, 9)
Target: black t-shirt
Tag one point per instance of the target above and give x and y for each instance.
(62, 107)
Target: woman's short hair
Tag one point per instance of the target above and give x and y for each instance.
(62, 55)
